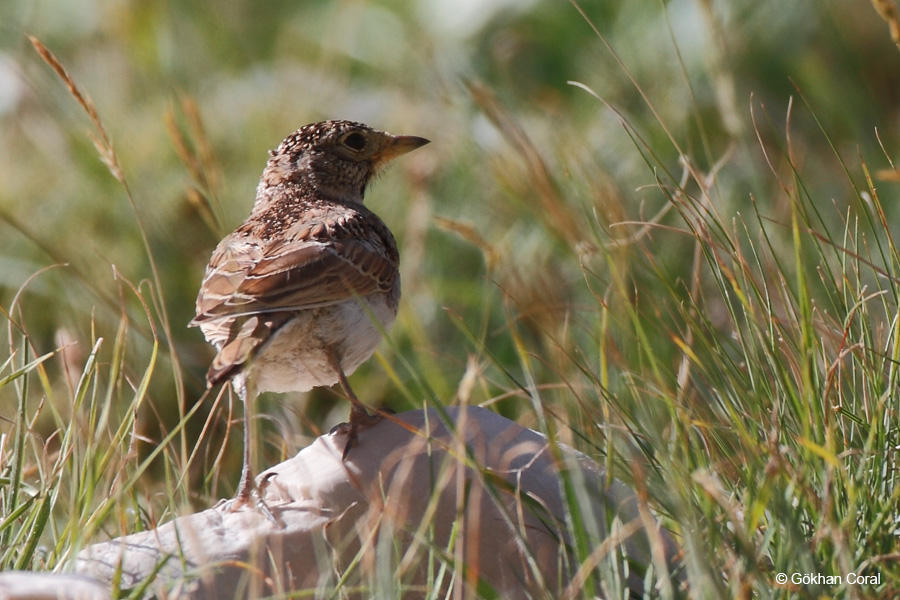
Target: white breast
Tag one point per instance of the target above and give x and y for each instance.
(295, 360)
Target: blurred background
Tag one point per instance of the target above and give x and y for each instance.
(498, 219)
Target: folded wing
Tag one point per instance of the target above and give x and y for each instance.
(250, 290)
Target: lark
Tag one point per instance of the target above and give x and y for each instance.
(298, 295)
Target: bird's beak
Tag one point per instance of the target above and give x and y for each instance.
(398, 145)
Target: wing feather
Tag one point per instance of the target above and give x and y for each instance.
(251, 287)
(304, 276)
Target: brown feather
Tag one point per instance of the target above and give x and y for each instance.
(308, 243)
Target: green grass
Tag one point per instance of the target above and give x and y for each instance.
(683, 264)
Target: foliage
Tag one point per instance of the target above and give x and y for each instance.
(663, 233)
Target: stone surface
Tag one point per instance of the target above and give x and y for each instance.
(412, 500)
(21, 585)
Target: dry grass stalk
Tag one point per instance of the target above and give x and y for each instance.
(101, 140)
(887, 9)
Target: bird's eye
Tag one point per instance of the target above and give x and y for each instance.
(355, 141)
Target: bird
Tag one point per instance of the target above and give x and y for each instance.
(298, 295)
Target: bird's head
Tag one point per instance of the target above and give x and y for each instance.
(337, 158)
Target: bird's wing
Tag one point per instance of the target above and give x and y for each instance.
(244, 280)
(252, 287)
(302, 275)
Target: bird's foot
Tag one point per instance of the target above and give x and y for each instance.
(359, 419)
(250, 495)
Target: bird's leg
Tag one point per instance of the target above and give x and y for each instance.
(247, 486)
(359, 416)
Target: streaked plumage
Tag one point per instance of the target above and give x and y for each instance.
(295, 297)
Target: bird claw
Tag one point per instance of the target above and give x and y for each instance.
(359, 419)
(350, 430)
(250, 496)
